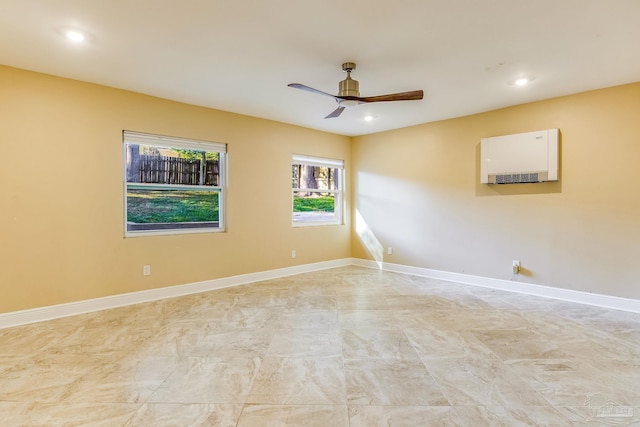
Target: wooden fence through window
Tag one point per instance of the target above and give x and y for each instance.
(176, 170)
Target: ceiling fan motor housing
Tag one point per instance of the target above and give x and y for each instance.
(348, 86)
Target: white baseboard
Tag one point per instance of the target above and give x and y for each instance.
(606, 301)
(23, 317)
(39, 314)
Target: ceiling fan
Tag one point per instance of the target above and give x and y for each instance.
(349, 94)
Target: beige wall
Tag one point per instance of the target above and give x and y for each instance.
(61, 194)
(417, 190)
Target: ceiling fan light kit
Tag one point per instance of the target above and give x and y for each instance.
(349, 93)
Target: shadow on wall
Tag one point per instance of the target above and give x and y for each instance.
(518, 189)
(369, 240)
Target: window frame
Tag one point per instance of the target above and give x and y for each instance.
(160, 141)
(339, 205)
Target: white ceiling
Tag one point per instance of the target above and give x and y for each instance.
(239, 55)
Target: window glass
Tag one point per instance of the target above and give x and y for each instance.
(317, 190)
(172, 185)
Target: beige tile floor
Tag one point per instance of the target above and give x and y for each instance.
(341, 347)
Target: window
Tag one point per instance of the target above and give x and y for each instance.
(172, 185)
(317, 190)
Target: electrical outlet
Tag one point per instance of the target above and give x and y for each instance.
(389, 250)
(146, 270)
(293, 253)
(516, 266)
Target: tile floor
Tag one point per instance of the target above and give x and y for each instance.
(342, 347)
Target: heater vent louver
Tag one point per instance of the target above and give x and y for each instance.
(517, 178)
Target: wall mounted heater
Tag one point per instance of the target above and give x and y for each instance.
(519, 158)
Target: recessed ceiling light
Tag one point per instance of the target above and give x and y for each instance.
(522, 81)
(75, 36)
(368, 118)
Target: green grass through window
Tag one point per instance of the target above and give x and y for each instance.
(159, 206)
(313, 204)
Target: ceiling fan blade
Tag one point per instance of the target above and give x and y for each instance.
(402, 96)
(309, 89)
(335, 113)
